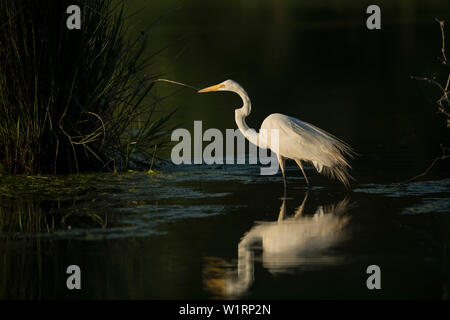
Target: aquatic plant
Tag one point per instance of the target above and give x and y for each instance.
(74, 100)
(18, 218)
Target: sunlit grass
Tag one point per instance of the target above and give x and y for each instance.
(74, 100)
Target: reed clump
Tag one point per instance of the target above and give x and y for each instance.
(74, 100)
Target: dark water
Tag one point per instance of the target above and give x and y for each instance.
(227, 232)
(211, 232)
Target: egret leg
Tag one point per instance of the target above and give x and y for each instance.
(281, 162)
(300, 209)
(282, 210)
(301, 167)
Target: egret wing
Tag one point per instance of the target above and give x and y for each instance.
(304, 141)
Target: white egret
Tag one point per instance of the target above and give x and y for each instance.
(297, 140)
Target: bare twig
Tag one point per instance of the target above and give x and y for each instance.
(441, 24)
(443, 103)
(431, 166)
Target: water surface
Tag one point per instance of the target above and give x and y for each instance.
(221, 232)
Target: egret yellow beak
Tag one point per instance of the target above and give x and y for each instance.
(212, 88)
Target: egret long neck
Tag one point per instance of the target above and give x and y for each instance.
(240, 115)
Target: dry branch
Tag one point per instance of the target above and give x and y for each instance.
(443, 102)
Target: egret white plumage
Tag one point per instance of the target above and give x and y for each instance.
(297, 140)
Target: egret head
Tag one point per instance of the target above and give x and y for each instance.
(227, 85)
(232, 86)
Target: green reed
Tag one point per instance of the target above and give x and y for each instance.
(74, 100)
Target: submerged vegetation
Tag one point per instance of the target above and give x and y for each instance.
(74, 100)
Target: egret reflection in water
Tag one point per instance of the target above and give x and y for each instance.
(291, 243)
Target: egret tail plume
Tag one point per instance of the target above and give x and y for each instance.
(340, 173)
(339, 170)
